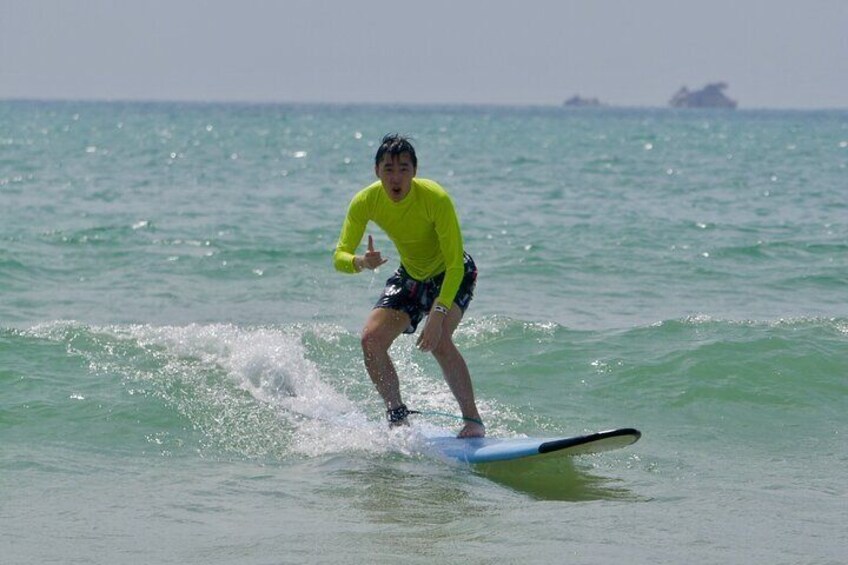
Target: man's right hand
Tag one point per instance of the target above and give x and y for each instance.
(371, 260)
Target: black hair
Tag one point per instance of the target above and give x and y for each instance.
(394, 144)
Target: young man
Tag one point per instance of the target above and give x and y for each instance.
(436, 277)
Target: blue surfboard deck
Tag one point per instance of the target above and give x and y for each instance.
(488, 450)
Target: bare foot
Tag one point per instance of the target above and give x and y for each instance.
(472, 429)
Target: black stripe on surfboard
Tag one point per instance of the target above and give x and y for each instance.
(558, 444)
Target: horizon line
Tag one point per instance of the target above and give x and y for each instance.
(503, 105)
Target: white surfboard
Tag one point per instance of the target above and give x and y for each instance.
(487, 450)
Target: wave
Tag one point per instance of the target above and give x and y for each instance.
(277, 392)
(721, 382)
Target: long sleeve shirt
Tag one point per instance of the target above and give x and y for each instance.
(423, 226)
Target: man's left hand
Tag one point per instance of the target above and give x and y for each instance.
(432, 332)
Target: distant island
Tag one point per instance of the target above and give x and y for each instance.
(711, 96)
(578, 101)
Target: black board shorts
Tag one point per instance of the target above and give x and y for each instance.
(416, 298)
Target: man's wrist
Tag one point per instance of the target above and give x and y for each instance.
(441, 308)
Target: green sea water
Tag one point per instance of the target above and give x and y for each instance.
(180, 375)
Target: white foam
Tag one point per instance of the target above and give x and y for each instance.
(271, 364)
(292, 408)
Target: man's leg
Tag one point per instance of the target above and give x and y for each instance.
(381, 329)
(456, 374)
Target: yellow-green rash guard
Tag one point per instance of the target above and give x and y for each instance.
(423, 226)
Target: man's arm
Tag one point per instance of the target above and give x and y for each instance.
(353, 229)
(344, 258)
(450, 242)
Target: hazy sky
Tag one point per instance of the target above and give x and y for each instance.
(773, 53)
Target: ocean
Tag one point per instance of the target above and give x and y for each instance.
(180, 365)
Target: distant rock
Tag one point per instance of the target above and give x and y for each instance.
(711, 96)
(577, 101)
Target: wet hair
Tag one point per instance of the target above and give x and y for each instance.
(394, 144)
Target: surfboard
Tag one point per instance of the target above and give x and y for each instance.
(488, 450)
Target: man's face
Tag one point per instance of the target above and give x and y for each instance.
(396, 172)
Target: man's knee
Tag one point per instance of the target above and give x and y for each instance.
(370, 339)
(445, 349)
(381, 330)
(376, 339)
